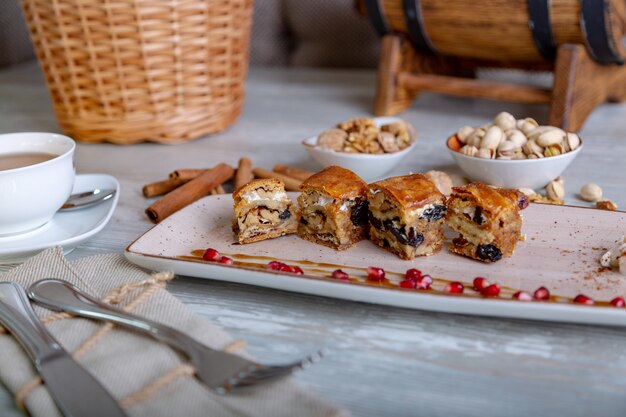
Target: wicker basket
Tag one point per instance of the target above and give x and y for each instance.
(126, 71)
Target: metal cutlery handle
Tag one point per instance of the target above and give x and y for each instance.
(62, 296)
(18, 316)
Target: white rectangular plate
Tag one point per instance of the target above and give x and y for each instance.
(561, 251)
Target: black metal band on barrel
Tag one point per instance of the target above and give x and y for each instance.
(415, 26)
(541, 27)
(375, 15)
(596, 27)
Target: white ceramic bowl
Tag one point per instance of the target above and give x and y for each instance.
(523, 173)
(367, 166)
(31, 195)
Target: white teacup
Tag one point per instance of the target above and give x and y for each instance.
(30, 195)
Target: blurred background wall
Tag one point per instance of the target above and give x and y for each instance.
(311, 33)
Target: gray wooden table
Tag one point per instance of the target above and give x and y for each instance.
(383, 361)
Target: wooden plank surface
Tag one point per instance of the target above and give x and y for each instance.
(382, 361)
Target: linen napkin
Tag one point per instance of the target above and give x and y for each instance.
(147, 377)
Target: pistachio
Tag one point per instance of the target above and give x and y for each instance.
(591, 192)
(553, 150)
(493, 137)
(464, 133)
(505, 121)
(475, 137)
(506, 148)
(555, 190)
(517, 137)
(536, 132)
(485, 153)
(526, 125)
(508, 138)
(572, 141)
(519, 154)
(551, 137)
(606, 205)
(469, 150)
(531, 148)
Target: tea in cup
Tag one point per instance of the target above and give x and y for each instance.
(36, 178)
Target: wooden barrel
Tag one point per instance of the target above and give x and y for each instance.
(506, 30)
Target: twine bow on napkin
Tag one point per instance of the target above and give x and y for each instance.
(147, 377)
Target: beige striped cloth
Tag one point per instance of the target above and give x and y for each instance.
(147, 377)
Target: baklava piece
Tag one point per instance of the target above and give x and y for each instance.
(263, 210)
(487, 220)
(406, 215)
(333, 208)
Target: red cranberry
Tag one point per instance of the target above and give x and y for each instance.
(583, 299)
(211, 255)
(285, 268)
(375, 274)
(226, 260)
(480, 283)
(492, 290)
(618, 302)
(407, 283)
(339, 274)
(297, 270)
(423, 282)
(541, 293)
(413, 274)
(274, 265)
(522, 296)
(454, 288)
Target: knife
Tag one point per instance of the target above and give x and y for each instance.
(75, 391)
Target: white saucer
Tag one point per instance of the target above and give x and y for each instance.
(67, 229)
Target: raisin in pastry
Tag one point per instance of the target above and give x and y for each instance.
(333, 208)
(487, 220)
(406, 215)
(263, 210)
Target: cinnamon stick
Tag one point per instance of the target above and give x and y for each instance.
(186, 174)
(217, 190)
(244, 172)
(291, 184)
(293, 172)
(189, 192)
(162, 187)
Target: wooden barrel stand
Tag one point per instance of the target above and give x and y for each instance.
(437, 45)
(580, 83)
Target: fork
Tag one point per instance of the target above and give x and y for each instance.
(219, 370)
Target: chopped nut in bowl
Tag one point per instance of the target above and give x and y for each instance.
(370, 147)
(514, 153)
